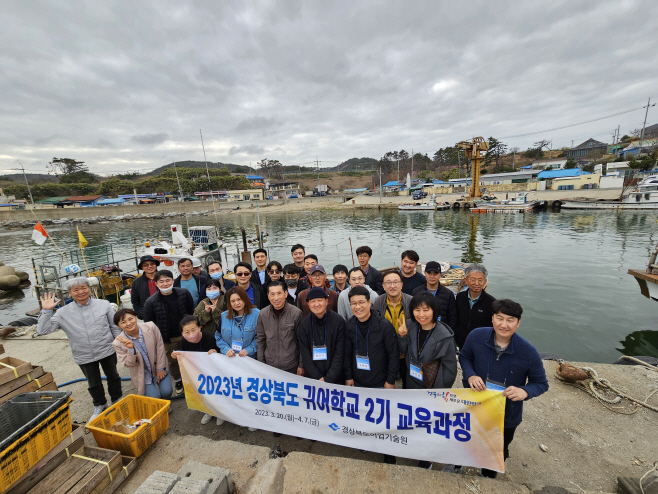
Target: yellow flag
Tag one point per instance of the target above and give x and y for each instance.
(82, 240)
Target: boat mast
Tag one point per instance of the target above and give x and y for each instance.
(212, 198)
(180, 196)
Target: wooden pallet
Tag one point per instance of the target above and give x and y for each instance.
(45, 383)
(20, 368)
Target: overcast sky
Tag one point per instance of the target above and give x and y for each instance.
(126, 86)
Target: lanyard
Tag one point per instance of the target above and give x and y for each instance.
(240, 327)
(356, 337)
(326, 319)
(508, 363)
(420, 357)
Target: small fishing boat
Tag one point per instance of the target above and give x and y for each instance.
(516, 204)
(643, 196)
(648, 278)
(432, 205)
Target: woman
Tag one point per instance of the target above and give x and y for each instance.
(236, 331)
(209, 310)
(275, 272)
(424, 340)
(140, 348)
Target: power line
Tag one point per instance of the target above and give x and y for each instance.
(574, 125)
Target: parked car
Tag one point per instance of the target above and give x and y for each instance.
(294, 196)
(419, 194)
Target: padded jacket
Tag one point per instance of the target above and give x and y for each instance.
(139, 293)
(312, 332)
(155, 310)
(446, 298)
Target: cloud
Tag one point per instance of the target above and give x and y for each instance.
(150, 139)
(249, 149)
(255, 124)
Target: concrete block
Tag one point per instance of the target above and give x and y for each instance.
(189, 486)
(219, 479)
(158, 483)
(268, 479)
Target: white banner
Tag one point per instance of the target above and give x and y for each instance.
(457, 426)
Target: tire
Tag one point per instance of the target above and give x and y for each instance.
(23, 321)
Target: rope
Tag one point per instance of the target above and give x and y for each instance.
(639, 362)
(655, 468)
(597, 387)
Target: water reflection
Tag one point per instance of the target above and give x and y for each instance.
(470, 253)
(638, 343)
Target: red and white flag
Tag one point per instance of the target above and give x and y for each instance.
(39, 234)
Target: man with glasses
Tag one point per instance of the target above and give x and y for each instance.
(373, 277)
(166, 309)
(371, 348)
(144, 286)
(474, 304)
(318, 278)
(394, 306)
(291, 279)
(356, 277)
(242, 272)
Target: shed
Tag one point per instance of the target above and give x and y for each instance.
(111, 202)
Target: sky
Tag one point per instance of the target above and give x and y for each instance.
(127, 86)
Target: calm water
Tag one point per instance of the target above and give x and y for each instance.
(567, 269)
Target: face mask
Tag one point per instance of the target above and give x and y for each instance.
(217, 275)
(213, 295)
(291, 283)
(166, 290)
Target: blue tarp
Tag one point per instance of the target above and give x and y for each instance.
(392, 183)
(111, 201)
(254, 177)
(571, 172)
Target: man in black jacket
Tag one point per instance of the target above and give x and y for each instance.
(371, 348)
(259, 275)
(411, 279)
(194, 284)
(474, 304)
(322, 339)
(291, 275)
(373, 277)
(144, 286)
(166, 309)
(445, 296)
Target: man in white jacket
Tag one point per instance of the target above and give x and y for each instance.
(89, 326)
(356, 277)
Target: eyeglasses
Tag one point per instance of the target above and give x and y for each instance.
(359, 304)
(392, 283)
(363, 255)
(242, 274)
(274, 271)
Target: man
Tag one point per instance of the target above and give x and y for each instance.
(254, 292)
(322, 339)
(194, 284)
(90, 329)
(318, 278)
(474, 304)
(445, 296)
(294, 286)
(298, 252)
(373, 277)
(410, 278)
(356, 278)
(340, 283)
(259, 276)
(144, 286)
(371, 348)
(166, 309)
(215, 272)
(276, 332)
(499, 359)
(309, 261)
(394, 306)
(197, 269)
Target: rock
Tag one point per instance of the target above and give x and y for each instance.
(2, 263)
(268, 479)
(23, 275)
(9, 282)
(543, 448)
(7, 271)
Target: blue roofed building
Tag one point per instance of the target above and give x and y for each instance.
(570, 179)
(253, 179)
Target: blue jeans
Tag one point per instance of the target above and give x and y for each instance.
(165, 391)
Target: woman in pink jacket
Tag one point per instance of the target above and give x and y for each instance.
(140, 348)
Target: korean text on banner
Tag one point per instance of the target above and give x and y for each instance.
(457, 426)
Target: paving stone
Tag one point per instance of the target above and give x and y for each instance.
(219, 479)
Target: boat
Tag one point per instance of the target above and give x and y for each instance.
(432, 205)
(643, 196)
(516, 204)
(648, 278)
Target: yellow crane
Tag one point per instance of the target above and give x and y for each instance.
(473, 148)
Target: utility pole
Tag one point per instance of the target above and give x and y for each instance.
(317, 166)
(412, 164)
(26, 183)
(513, 158)
(380, 185)
(398, 172)
(644, 124)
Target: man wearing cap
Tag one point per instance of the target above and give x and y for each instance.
(197, 269)
(318, 278)
(445, 296)
(194, 284)
(144, 286)
(322, 339)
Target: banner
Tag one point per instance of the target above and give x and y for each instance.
(456, 426)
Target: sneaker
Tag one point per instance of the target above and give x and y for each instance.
(219, 421)
(390, 460)
(205, 419)
(489, 474)
(179, 388)
(252, 429)
(457, 469)
(97, 411)
(425, 464)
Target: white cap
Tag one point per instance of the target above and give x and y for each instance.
(196, 263)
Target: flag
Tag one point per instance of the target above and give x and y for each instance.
(39, 234)
(82, 240)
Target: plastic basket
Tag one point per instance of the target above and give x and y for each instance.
(31, 424)
(133, 407)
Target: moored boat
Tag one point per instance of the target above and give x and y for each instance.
(648, 278)
(516, 204)
(644, 196)
(432, 205)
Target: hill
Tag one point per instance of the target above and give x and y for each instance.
(202, 164)
(355, 164)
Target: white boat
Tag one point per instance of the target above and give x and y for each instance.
(648, 278)
(516, 204)
(644, 196)
(432, 205)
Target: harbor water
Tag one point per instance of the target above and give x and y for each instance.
(568, 269)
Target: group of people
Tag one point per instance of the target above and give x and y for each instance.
(365, 328)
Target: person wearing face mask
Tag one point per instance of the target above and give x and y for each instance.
(209, 310)
(293, 284)
(215, 272)
(140, 348)
(166, 309)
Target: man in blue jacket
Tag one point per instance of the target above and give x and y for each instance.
(499, 359)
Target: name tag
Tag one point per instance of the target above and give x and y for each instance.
(362, 363)
(319, 353)
(494, 386)
(236, 345)
(415, 371)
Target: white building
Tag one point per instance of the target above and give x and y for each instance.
(611, 182)
(554, 163)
